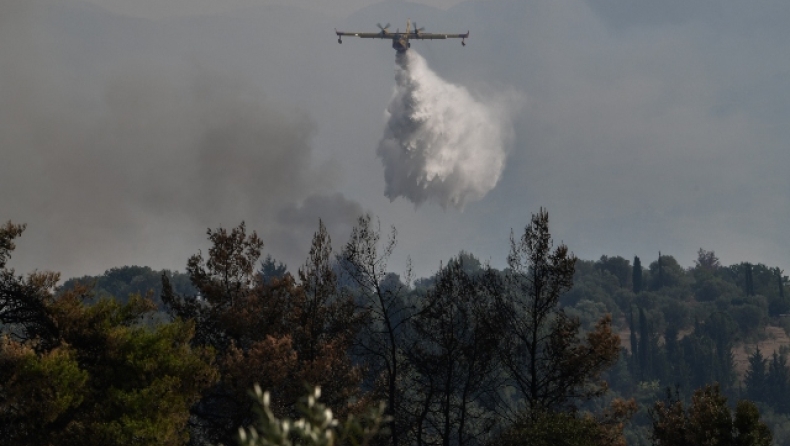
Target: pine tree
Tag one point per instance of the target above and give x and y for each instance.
(721, 329)
(110, 381)
(777, 383)
(755, 379)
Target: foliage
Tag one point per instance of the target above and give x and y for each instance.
(142, 381)
(666, 272)
(316, 427)
(454, 357)
(637, 275)
(281, 333)
(91, 374)
(121, 283)
(464, 357)
(708, 421)
(755, 380)
(108, 381)
(548, 364)
(37, 390)
(547, 428)
(617, 267)
(24, 300)
(707, 260)
(777, 384)
(8, 233)
(271, 269)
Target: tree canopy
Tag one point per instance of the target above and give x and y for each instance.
(468, 356)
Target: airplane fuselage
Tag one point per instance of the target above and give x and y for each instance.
(400, 41)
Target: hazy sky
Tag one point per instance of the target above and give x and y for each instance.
(129, 127)
(172, 8)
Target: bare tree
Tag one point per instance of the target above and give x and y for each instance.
(549, 363)
(455, 358)
(382, 298)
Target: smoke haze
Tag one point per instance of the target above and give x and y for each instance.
(440, 144)
(644, 127)
(161, 153)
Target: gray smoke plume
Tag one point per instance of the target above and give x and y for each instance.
(440, 143)
(132, 166)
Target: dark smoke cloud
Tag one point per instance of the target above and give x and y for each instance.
(138, 174)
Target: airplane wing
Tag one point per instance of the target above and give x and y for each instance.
(366, 35)
(437, 36)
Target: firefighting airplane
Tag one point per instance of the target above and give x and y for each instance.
(400, 41)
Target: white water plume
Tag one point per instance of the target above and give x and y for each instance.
(440, 143)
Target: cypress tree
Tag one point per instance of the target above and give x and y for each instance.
(637, 275)
(660, 272)
(644, 346)
(634, 346)
(749, 280)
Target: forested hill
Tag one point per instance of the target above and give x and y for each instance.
(549, 348)
(123, 282)
(684, 327)
(679, 327)
(659, 300)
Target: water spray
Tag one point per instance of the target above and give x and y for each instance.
(440, 144)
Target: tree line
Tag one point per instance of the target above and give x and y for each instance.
(470, 356)
(682, 328)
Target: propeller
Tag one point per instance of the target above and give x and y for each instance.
(418, 30)
(383, 28)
